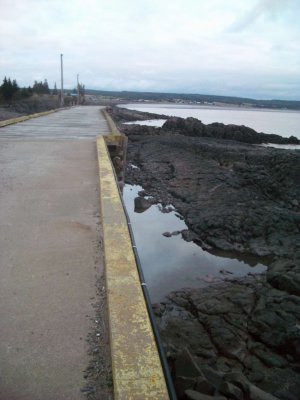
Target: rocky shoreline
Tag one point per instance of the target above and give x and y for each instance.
(232, 339)
(239, 339)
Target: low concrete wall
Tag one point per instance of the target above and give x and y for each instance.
(112, 126)
(137, 371)
(117, 145)
(25, 118)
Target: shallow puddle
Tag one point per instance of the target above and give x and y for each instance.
(171, 263)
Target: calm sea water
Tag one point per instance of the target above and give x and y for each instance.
(281, 122)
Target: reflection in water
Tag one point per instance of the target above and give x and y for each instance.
(171, 263)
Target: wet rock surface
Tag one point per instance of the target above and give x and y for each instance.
(239, 339)
(233, 196)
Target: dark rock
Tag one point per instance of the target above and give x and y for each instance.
(284, 274)
(181, 301)
(203, 386)
(285, 394)
(193, 395)
(270, 359)
(213, 376)
(188, 235)
(238, 379)
(141, 204)
(185, 365)
(157, 309)
(170, 234)
(231, 391)
(256, 376)
(245, 325)
(167, 234)
(194, 127)
(182, 384)
(256, 393)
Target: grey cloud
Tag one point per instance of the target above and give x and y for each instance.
(154, 45)
(269, 8)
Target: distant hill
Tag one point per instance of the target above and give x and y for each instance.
(195, 98)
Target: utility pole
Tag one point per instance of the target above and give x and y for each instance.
(62, 82)
(78, 90)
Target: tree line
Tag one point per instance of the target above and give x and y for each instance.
(10, 90)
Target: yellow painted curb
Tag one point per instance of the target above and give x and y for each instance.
(136, 367)
(25, 118)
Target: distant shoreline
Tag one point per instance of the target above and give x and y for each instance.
(191, 99)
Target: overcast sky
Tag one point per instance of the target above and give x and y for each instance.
(247, 48)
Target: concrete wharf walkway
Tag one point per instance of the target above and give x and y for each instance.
(76, 123)
(51, 256)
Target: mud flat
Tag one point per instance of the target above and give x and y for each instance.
(240, 338)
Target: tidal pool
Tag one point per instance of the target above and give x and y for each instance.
(171, 263)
